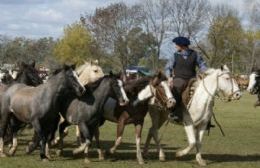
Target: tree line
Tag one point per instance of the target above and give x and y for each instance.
(121, 35)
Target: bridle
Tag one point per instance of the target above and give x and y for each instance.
(217, 96)
(160, 99)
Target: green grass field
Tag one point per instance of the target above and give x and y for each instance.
(240, 147)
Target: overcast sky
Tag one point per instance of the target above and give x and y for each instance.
(41, 18)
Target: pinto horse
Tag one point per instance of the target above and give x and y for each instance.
(141, 92)
(254, 85)
(198, 112)
(37, 106)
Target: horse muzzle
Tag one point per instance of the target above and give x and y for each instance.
(237, 95)
(123, 102)
(171, 103)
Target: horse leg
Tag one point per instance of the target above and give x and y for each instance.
(138, 132)
(147, 142)
(33, 144)
(62, 134)
(199, 135)
(160, 121)
(14, 129)
(189, 129)
(85, 132)
(3, 126)
(78, 135)
(42, 139)
(85, 145)
(99, 150)
(120, 131)
(157, 122)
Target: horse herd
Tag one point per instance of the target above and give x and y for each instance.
(86, 98)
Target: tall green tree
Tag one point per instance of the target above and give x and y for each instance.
(76, 44)
(225, 37)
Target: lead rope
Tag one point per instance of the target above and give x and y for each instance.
(213, 114)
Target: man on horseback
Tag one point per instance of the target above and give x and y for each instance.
(180, 69)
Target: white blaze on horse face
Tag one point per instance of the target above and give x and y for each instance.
(120, 84)
(77, 78)
(252, 82)
(167, 90)
(171, 101)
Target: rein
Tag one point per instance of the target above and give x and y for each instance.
(217, 96)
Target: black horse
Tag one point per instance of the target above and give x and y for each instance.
(254, 85)
(86, 111)
(38, 106)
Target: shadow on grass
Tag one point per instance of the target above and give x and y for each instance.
(222, 158)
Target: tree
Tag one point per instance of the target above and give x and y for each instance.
(75, 46)
(225, 38)
(111, 27)
(156, 22)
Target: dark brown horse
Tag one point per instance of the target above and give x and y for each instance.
(37, 106)
(141, 92)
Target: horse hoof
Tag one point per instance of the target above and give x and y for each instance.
(2, 155)
(201, 162)
(140, 162)
(11, 152)
(59, 152)
(179, 154)
(45, 160)
(111, 151)
(28, 150)
(87, 161)
(162, 159)
(76, 152)
(101, 158)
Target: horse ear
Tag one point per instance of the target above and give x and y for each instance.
(23, 65)
(111, 73)
(73, 66)
(222, 67)
(96, 62)
(66, 67)
(32, 63)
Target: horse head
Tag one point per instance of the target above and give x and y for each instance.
(89, 72)
(254, 82)
(72, 81)
(117, 89)
(28, 74)
(226, 84)
(157, 89)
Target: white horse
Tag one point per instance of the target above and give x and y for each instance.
(199, 112)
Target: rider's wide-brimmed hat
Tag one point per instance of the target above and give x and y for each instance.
(182, 41)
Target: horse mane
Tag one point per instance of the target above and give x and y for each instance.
(136, 85)
(92, 86)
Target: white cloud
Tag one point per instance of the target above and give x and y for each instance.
(38, 18)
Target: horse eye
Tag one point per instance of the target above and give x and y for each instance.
(95, 71)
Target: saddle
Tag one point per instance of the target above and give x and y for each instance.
(189, 91)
